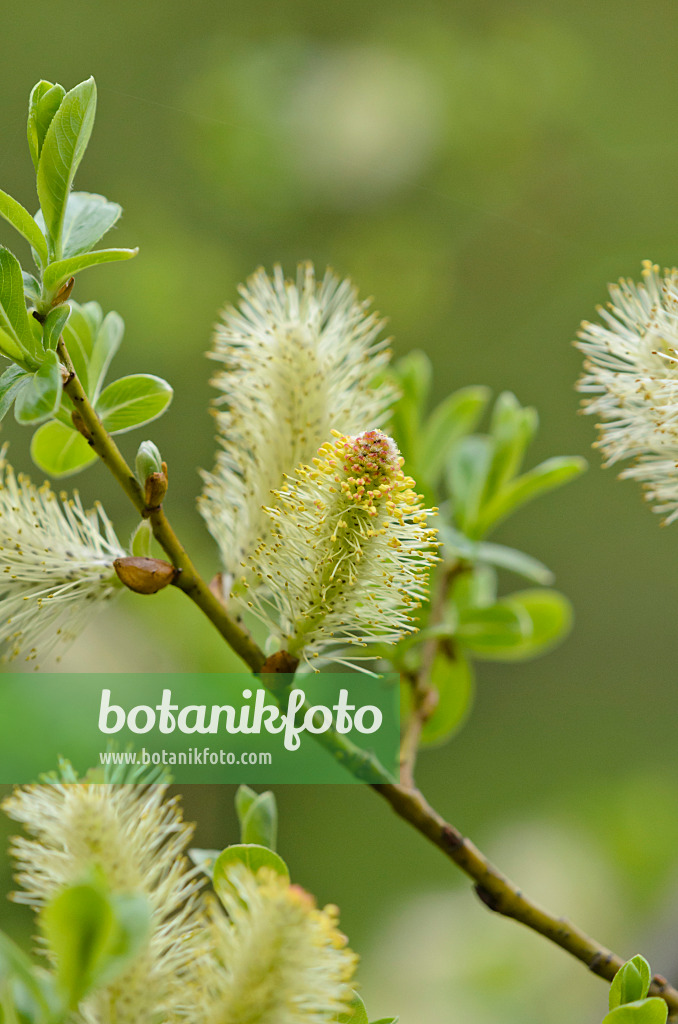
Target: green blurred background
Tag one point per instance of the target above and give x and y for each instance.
(482, 169)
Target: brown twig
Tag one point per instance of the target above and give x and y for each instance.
(424, 694)
(495, 890)
(503, 897)
(188, 578)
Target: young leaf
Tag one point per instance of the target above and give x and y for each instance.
(44, 101)
(244, 798)
(11, 382)
(543, 478)
(63, 148)
(259, 824)
(88, 217)
(472, 590)
(40, 398)
(512, 429)
(142, 541)
(93, 936)
(357, 1013)
(31, 288)
(252, 856)
(457, 546)
(518, 627)
(132, 916)
(14, 319)
(106, 343)
(491, 632)
(204, 859)
(550, 614)
(645, 1011)
(148, 461)
(455, 417)
(58, 273)
(131, 401)
(21, 219)
(515, 561)
(53, 326)
(467, 471)
(15, 964)
(631, 982)
(413, 375)
(79, 925)
(453, 678)
(79, 335)
(60, 450)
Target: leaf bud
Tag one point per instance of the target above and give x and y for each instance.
(144, 575)
(148, 461)
(45, 100)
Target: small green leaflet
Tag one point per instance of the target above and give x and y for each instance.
(39, 399)
(60, 450)
(21, 219)
(133, 400)
(63, 149)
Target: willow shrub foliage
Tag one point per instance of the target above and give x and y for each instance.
(353, 526)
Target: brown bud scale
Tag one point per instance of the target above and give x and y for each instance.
(144, 575)
(155, 489)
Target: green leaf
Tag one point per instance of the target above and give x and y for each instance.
(244, 798)
(456, 545)
(204, 859)
(631, 982)
(11, 382)
(14, 964)
(45, 100)
(93, 936)
(543, 478)
(14, 319)
(520, 626)
(413, 375)
(131, 401)
(58, 273)
(108, 338)
(467, 470)
(60, 450)
(40, 398)
(259, 824)
(515, 561)
(386, 1020)
(142, 541)
(455, 417)
(253, 857)
(21, 219)
(79, 926)
(133, 917)
(494, 631)
(31, 288)
(645, 1011)
(357, 1014)
(147, 462)
(10, 349)
(63, 149)
(512, 429)
(476, 589)
(79, 335)
(453, 678)
(88, 217)
(53, 326)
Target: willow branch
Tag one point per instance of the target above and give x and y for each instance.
(495, 890)
(502, 896)
(424, 694)
(188, 578)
